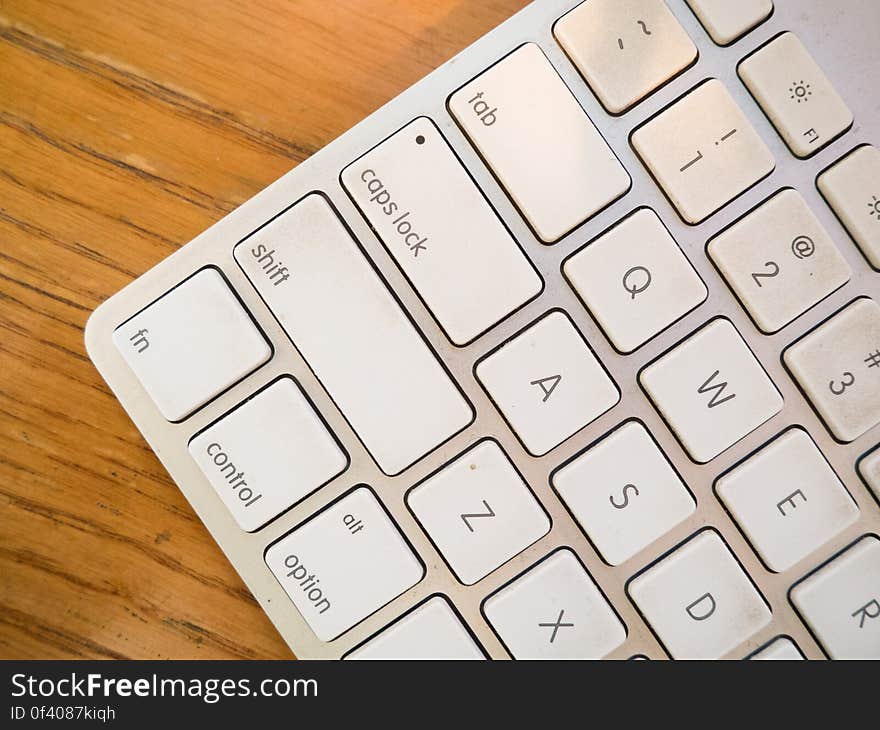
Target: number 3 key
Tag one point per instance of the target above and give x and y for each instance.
(837, 365)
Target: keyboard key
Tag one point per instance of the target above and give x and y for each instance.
(703, 151)
(624, 493)
(711, 390)
(353, 334)
(259, 472)
(441, 231)
(431, 631)
(547, 383)
(478, 511)
(191, 344)
(781, 648)
(779, 260)
(699, 601)
(837, 365)
(869, 468)
(624, 50)
(795, 94)
(555, 611)
(344, 564)
(635, 280)
(726, 21)
(787, 500)
(840, 602)
(852, 189)
(539, 143)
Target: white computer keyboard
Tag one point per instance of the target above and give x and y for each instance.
(571, 350)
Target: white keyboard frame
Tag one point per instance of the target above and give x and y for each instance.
(842, 38)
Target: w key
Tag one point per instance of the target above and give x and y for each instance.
(711, 390)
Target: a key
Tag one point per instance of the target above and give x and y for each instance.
(869, 468)
(623, 492)
(781, 648)
(351, 331)
(478, 511)
(431, 631)
(191, 344)
(711, 390)
(795, 94)
(635, 280)
(787, 500)
(852, 188)
(539, 143)
(624, 49)
(698, 599)
(555, 611)
(726, 21)
(344, 564)
(840, 602)
(837, 365)
(779, 260)
(260, 472)
(703, 151)
(547, 383)
(439, 228)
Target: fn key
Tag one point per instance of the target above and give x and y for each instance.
(191, 344)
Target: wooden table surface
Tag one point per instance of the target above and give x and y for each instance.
(126, 128)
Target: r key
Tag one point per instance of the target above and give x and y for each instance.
(841, 602)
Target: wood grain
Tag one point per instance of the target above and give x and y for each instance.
(126, 128)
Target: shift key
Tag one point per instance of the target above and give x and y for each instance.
(442, 232)
(353, 334)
